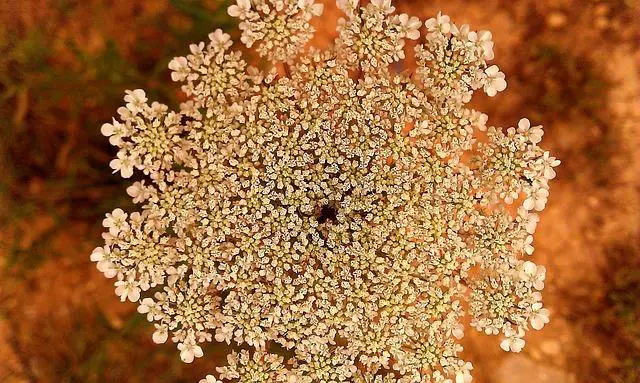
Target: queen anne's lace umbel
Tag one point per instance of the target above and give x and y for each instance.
(340, 220)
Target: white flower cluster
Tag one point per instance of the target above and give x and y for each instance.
(370, 38)
(279, 28)
(338, 213)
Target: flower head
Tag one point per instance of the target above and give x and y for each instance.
(328, 204)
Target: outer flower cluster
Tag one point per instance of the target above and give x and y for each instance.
(339, 220)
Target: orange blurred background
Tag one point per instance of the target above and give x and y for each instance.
(571, 65)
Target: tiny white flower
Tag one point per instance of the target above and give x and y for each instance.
(348, 6)
(537, 198)
(189, 351)
(157, 110)
(240, 9)
(188, 107)
(384, 6)
(458, 331)
(180, 68)
(107, 129)
(160, 335)
(548, 163)
(224, 333)
(146, 307)
(409, 26)
(98, 254)
(479, 121)
(173, 274)
(495, 81)
(115, 131)
(135, 100)
(465, 33)
(538, 280)
(539, 316)
(128, 290)
(528, 245)
(512, 344)
(116, 221)
(492, 330)
(248, 38)
(529, 220)
(513, 339)
(311, 7)
(534, 134)
(440, 22)
(104, 265)
(530, 272)
(464, 374)
(137, 191)
(125, 114)
(209, 379)
(220, 41)
(197, 49)
(123, 164)
(484, 40)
